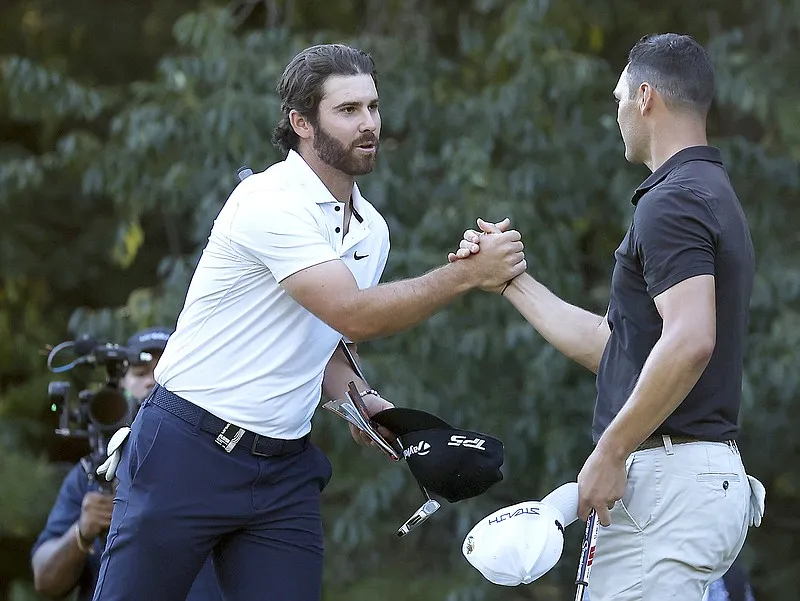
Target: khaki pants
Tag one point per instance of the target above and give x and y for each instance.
(681, 523)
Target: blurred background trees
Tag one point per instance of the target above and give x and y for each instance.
(122, 128)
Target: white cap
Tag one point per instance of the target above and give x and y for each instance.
(565, 500)
(520, 543)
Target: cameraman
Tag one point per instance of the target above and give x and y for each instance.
(67, 552)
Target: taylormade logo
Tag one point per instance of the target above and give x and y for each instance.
(507, 516)
(456, 440)
(423, 448)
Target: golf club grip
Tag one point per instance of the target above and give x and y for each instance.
(351, 360)
(587, 555)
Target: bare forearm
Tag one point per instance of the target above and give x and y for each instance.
(575, 332)
(338, 375)
(57, 565)
(671, 371)
(390, 308)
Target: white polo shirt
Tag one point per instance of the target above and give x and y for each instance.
(243, 349)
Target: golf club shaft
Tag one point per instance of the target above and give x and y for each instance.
(587, 555)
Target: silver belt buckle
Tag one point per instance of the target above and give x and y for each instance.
(229, 443)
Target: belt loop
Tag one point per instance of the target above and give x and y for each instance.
(667, 440)
(150, 395)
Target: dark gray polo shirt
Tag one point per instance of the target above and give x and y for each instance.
(687, 222)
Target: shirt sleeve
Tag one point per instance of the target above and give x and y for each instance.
(675, 235)
(283, 235)
(67, 508)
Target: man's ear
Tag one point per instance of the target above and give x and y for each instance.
(646, 98)
(300, 124)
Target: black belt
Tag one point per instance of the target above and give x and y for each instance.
(227, 435)
(654, 441)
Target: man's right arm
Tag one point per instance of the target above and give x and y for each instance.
(329, 291)
(288, 239)
(58, 561)
(57, 564)
(575, 332)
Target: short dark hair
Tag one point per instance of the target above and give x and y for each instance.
(301, 85)
(677, 66)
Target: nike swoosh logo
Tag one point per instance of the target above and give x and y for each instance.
(358, 257)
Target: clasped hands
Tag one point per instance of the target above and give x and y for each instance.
(496, 259)
(602, 481)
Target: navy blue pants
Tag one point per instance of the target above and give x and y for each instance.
(181, 496)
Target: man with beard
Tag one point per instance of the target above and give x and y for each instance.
(219, 459)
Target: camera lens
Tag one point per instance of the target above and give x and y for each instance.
(109, 408)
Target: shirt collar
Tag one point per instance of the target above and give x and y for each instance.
(693, 153)
(313, 184)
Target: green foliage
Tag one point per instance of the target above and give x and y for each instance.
(22, 507)
(23, 592)
(490, 109)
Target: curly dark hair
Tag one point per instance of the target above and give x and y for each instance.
(675, 65)
(301, 85)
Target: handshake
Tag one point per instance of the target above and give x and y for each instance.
(491, 257)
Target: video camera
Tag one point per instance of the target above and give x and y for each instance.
(96, 414)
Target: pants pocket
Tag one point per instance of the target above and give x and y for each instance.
(142, 439)
(325, 467)
(640, 499)
(719, 480)
(717, 517)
